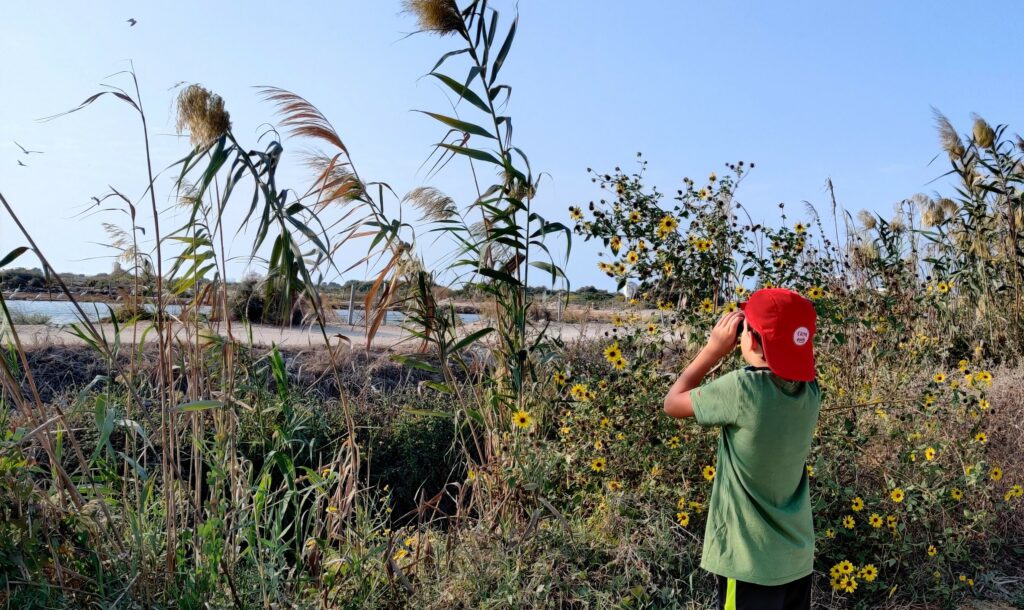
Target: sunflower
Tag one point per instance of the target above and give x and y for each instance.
(849, 522)
(897, 495)
(858, 504)
(939, 377)
(810, 470)
(634, 216)
(560, 378)
(522, 419)
(619, 364)
(683, 518)
(875, 520)
(612, 352)
(981, 437)
(868, 573)
(615, 243)
(632, 257)
(707, 306)
(800, 228)
(575, 213)
(932, 551)
(668, 223)
(598, 464)
(956, 494)
(830, 533)
(996, 473)
(614, 485)
(709, 472)
(816, 292)
(929, 453)
(673, 442)
(730, 307)
(890, 521)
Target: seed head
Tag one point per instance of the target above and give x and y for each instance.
(867, 219)
(948, 137)
(984, 136)
(202, 114)
(439, 16)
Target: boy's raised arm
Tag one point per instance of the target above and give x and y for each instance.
(721, 342)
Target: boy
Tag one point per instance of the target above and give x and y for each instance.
(759, 540)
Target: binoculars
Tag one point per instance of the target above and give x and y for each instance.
(739, 328)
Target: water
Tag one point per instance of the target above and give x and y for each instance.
(64, 312)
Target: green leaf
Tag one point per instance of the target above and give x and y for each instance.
(480, 155)
(199, 405)
(13, 254)
(463, 91)
(500, 59)
(460, 125)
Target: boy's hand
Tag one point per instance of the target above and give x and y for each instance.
(723, 335)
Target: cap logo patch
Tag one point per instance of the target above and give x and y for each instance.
(801, 335)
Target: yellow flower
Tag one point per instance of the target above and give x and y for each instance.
(868, 573)
(932, 551)
(707, 306)
(310, 543)
(575, 213)
(619, 364)
(712, 177)
(849, 522)
(326, 472)
(844, 567)
(560, 378)
(897, 495)
(668, 267)
(614, 485)
(956, 494)
(668, 223)
(996, 473)
(681, 503)
(875, 520)
(709, 472)
(632, 257)
(683, 518)
(830, 533)
(982, 404)
(400, 554)
(652, 328)
(800, 228)
(983, 377)
(655, 470)
(598, 464)
(981, 437)
(810, 470)
(673, 442)
(929, 400)
(615, 242)
(962, 365)
(634, 216)
(943, 287)
(740, 291)
(858, 504)
(730, 307)
(333, 510)
(890, 521)
(929, 453)
(939, 377)
(522, 419)
(816, 292)
(612, 352)
(598, 445)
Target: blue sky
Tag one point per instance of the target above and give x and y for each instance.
(807, 90)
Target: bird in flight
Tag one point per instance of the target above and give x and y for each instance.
(132, 22)
(26, 151)
(21, 164)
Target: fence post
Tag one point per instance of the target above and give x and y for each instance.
(351, 298)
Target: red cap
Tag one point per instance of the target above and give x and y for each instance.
(786, 323)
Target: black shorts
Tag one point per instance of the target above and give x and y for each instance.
(738, 595)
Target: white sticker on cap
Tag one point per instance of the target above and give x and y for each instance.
(801, 335)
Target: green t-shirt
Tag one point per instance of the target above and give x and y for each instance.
(759, 526)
